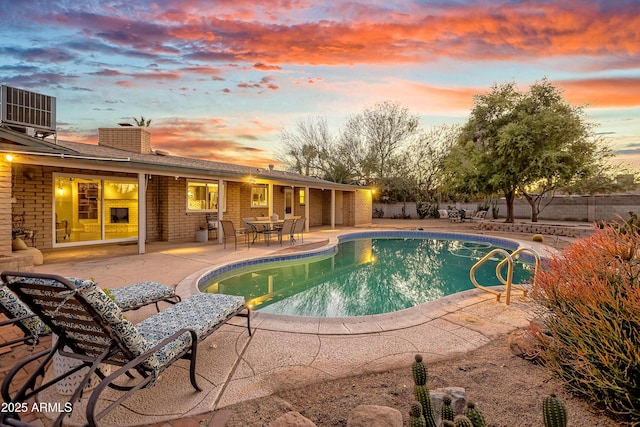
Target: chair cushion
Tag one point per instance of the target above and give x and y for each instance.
(202, 313)
(18, 309)
(141, 294)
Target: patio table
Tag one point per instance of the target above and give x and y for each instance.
(266, 227)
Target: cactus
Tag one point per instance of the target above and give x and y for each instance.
(462, 421)
(476, 417)
(447, 412)
(419, 371)
(554, 412)
(416, 419)
(447, 423)
(422, 395)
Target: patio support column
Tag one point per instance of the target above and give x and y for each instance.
(307, 201)
(142, 212)
(220, 208)
(270, 198)
(333, 209)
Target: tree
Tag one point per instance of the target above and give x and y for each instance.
(516, 142)
(374, 140)
(423, 159)
(313, 151)
(142, 122)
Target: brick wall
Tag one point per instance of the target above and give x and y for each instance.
(362, 206)
(315, 199)
(131, 138)
(33, 190)
(5, 201)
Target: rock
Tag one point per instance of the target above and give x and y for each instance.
(458, 400)
(292, 419)
(525, 344)
(35, 253)
(374, 416)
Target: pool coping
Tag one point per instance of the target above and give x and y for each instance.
(367, 324)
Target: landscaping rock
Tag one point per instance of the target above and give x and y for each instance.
(374, 416)
(292, 419)
(458, 400)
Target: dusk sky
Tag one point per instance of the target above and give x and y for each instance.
(220, 79)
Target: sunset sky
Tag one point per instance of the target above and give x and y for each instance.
(221, 79)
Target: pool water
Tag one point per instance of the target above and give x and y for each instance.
(364, 276)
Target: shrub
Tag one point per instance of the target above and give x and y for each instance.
(591, 300)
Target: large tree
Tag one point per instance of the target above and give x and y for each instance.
(374, 140)
(519, 142)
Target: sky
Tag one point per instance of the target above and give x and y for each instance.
(221, 79)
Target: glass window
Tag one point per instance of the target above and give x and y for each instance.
(259, 197)
(302, 200)
(203, 196)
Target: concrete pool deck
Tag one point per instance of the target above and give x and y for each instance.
(284, 352)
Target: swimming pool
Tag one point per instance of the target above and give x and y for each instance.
(366, 273)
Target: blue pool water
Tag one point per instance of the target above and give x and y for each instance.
(364, 275)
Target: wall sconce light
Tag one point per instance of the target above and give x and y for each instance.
(8, 157)
(29, 174)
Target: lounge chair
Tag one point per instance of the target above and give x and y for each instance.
(454, 216)
(92, 329)
(128, 298)
(443, 213)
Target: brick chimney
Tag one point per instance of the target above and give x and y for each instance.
(135, 139)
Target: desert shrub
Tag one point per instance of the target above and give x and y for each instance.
(426, 209)
(378, 212)
(590, 295)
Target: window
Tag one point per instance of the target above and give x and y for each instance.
(259, 197)
(203, 196)
(302, 200)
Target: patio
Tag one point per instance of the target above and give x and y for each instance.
(234, 367)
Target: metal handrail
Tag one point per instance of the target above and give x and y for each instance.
(508, 282)
(507, 258)
(514, 255)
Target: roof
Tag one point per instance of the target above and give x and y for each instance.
(162, 164)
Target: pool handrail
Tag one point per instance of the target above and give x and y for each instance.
(489, 255)
(514, 255)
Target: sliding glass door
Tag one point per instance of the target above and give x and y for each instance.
(93, 209)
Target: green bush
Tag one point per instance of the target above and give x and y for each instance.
(590, 295)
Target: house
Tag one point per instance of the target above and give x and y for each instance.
(122, 190)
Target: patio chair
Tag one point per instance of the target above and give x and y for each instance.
(479, 216)
(298, 229)
(453, 215)
(132, 297)
(212, 223)
(286, 230)
(92, 329)
(229, 231)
